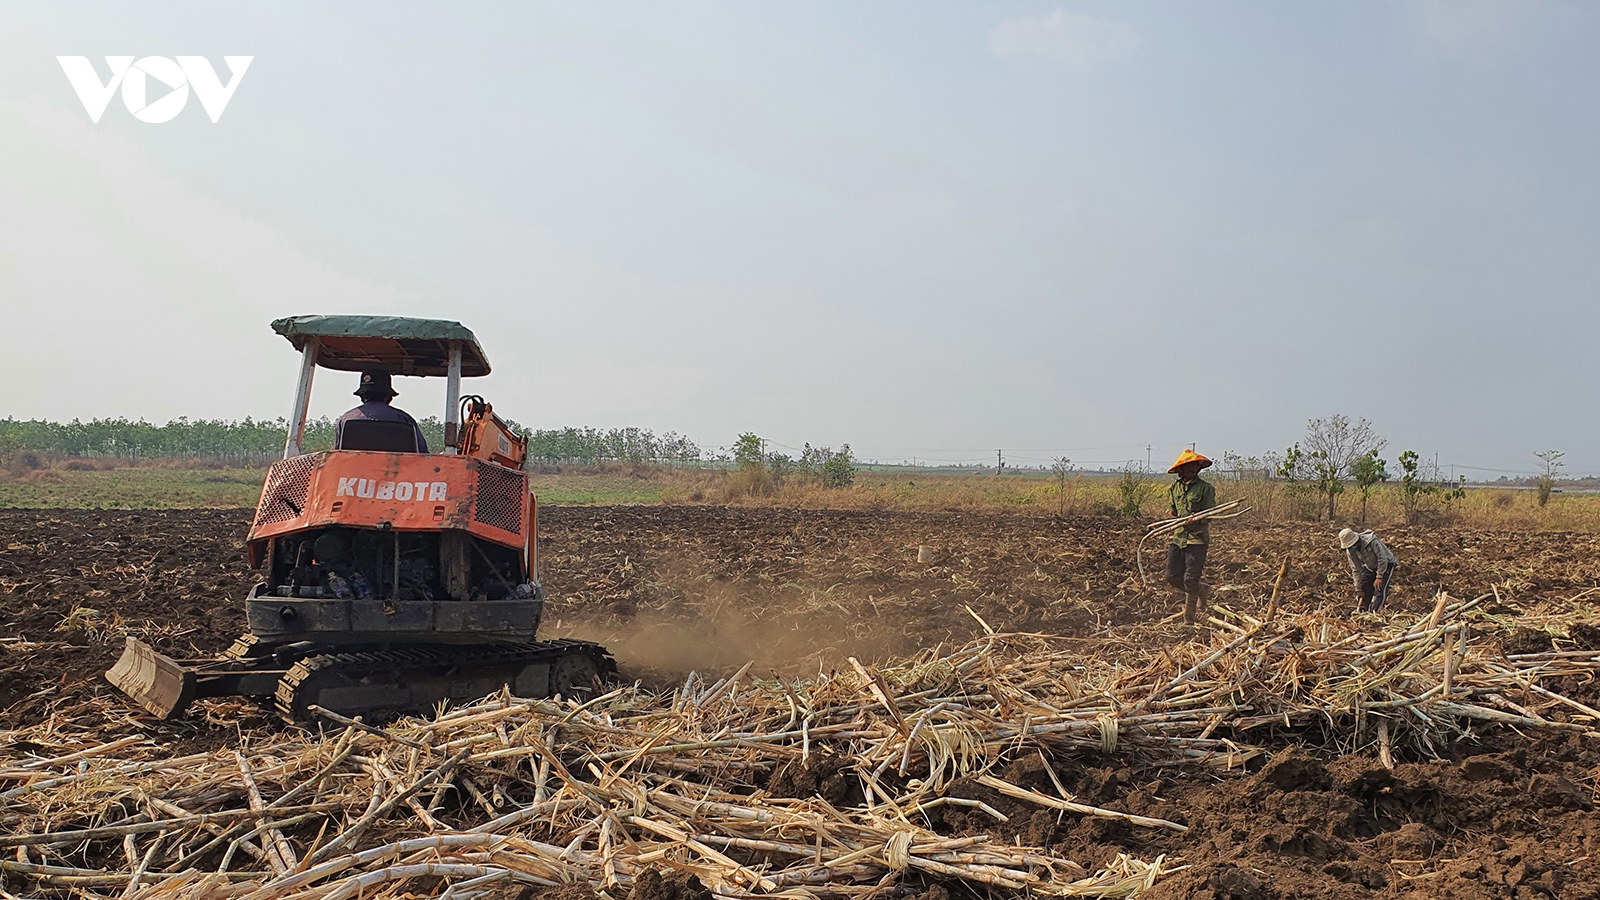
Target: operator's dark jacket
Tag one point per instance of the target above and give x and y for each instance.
(378, 411)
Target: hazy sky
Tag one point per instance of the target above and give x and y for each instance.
(922, 228)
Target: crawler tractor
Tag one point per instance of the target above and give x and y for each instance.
(392, 580)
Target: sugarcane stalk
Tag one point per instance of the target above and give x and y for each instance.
(1021, 793)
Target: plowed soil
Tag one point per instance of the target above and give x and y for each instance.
(672, 588)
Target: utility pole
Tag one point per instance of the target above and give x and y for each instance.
(999, 462)
(1147, 457)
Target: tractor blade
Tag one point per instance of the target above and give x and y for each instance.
(153, 681)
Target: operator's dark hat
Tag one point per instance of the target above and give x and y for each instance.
(376, 384)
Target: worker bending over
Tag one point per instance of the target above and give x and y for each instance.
(1186, 556)
(1371, 565)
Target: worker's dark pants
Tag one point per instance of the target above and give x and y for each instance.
(1372, 597)
(1184, 565)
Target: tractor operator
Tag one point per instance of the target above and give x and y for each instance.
(1186, 556)
(375, 393)
(1372, 566)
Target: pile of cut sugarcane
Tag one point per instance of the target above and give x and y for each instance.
(508, 792)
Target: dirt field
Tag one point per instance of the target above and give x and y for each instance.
(672, 588)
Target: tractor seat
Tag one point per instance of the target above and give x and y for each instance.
(386, 437)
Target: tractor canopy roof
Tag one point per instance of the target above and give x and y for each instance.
(393, 344)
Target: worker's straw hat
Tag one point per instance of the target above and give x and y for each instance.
(376, 384)
(1347, 538)
(1186, 457)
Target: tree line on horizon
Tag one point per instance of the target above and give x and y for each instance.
(252, 441)
(1338, 454)
(1335, 455)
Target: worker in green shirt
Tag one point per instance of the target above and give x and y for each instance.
(1186, 556)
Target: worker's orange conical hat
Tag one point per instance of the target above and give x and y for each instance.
(1186, 457)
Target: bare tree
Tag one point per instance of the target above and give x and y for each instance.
(1062, 468)
(1547, 482)
(1333, 448)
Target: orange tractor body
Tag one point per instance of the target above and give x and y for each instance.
(398, 491)
(393, 580)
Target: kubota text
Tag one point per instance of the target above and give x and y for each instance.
(392, 490)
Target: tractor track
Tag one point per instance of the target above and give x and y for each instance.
(401, 664)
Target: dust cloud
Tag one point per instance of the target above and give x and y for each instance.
(655, 646)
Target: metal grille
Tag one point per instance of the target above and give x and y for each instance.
(499, 502)
(288, 482)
